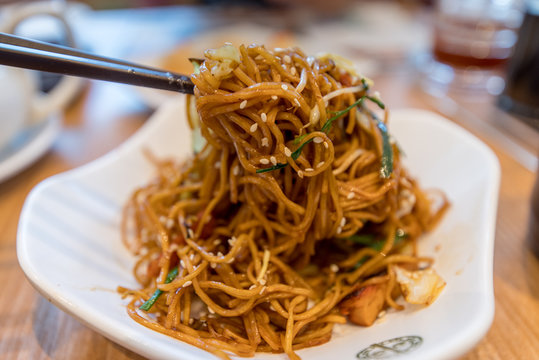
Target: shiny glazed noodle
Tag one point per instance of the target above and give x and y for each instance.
(297, 200)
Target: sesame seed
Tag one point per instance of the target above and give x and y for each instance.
(274, 97)
(187, 283)
(264, 117)
(213, 265)
(300, 174)
(191, 321)
(216, 242)
(162, 219)
(232, 241)
(318, 139)
(310, 60)
(309, 169)
(220, 254)
(262, 281)
(217, 164)
(191, 257)
(320, 164)
(190, 233)
(265, 141)
(211, 311)
(262, 290)
(293, 70)
(169, 224)
(271, 308)
(182, 263)
(273, 160)
(287, 59)
(334, 268)
(296, 101)
(252, 287)
(231, 260)
(381, 314)
(236, 170)
(343, 221)
(287, 152)
(253, 128)
(350, 195)
(284, 87)
(264, 161)
(339, 230)
(243, 104)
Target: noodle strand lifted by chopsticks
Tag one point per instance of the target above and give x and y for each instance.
(294, 204)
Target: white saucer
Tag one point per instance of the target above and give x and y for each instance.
(28, 147)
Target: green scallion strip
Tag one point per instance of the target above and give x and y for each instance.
(298, 139)
(274, 167)
(364, 82)
(338, 114)
(380, 104)
(387, 151)
(149, 303)
(295, 155)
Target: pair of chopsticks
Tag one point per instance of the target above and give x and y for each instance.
(37, 55)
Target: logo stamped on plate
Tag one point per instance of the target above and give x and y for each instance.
(390, 348)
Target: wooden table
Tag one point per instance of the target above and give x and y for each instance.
(106, 114)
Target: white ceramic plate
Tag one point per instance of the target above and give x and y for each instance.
(28, 146)
(69, 243)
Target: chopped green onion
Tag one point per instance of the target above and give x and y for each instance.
(364, 82)
(149, 303)
(298, 139)
(376, 101)
(338, 114)
(274, 167)
(295, 155)
(387, 151)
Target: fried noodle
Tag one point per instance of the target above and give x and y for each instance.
(262, 224)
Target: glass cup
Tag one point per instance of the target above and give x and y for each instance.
(472, 42)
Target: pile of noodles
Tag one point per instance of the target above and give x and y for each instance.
(257, 237)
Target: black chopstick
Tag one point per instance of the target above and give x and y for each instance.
(36, 55)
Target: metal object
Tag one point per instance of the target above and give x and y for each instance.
(36, 55)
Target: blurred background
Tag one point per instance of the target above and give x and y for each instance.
(476, 62)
